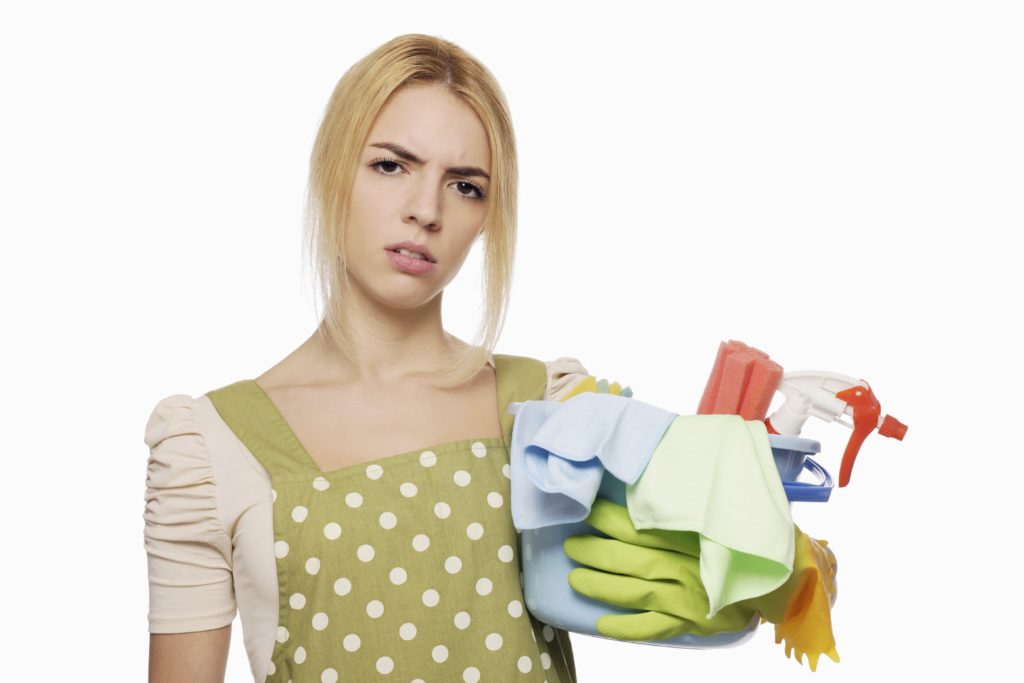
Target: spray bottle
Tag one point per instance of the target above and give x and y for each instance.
(827, 396)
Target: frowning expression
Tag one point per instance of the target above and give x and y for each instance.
(423, 178)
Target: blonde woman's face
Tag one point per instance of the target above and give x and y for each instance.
(423, 177)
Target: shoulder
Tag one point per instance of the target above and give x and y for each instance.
(563, 374)
(566, 376)
(171, 416)
(178, 455)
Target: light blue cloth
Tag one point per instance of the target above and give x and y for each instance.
(560, 450)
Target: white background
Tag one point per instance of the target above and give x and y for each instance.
(838, 184)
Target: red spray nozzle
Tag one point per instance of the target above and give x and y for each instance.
(892, 428)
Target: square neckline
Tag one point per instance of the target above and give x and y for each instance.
(297, 447)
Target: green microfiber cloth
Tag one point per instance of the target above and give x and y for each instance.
(715, 475)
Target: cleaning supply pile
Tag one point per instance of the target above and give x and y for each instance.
(704, 503)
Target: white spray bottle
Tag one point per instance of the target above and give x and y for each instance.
(827, 396)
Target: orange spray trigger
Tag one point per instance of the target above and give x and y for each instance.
(866, 412)
(892, 428)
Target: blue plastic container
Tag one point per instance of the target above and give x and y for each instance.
(550, 598)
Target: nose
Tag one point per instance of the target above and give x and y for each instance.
(423, 205)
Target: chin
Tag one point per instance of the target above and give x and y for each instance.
(408, 302)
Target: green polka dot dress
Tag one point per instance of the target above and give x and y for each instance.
(405, 568)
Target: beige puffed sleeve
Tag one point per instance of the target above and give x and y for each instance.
(188, 551)
(567, 376)
(563, 374)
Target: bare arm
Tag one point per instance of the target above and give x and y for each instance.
(196, 657)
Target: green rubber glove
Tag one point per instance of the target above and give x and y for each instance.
(654, 570)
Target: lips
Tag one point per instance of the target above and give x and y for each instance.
(410, 264)
(413, 246)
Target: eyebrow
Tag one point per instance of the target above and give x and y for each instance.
(409, 156)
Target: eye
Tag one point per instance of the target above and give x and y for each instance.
(377, 163)
(479, 193)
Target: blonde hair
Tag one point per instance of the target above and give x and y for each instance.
(412, 59)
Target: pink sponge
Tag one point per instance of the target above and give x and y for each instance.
(707, 401)
(742, 382)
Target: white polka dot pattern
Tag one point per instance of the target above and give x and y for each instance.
(427, 533)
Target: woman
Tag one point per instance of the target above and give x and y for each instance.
(351, 503)
(414, 161)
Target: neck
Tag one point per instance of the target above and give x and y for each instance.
(389, 344)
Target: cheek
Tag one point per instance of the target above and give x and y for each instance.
(371, 210)
(369, 198)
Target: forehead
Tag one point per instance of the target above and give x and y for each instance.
(433, 124)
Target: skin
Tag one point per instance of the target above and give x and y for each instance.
(395, 317)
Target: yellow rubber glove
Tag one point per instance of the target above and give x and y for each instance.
(800, 608)
(654, 570)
